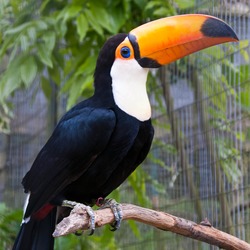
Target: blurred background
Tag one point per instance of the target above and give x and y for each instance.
(199, 163)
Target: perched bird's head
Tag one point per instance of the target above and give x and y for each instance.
(126, 58)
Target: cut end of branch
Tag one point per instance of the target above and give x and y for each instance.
(77, 220)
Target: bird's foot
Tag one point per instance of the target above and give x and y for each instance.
(89, 210)
(116, 209)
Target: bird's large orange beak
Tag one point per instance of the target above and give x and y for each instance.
(165, 40)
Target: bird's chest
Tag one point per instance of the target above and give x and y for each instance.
(126, 143)
(122, 139)
(125, 133)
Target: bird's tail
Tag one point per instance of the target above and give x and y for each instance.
(37, 234)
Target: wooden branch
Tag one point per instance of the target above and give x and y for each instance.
(79, 220)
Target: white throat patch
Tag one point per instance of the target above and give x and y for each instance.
(129, 88)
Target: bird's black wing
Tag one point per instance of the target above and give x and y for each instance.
(77, 140)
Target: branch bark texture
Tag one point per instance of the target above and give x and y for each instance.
(79, 220)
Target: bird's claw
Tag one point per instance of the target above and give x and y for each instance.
(117, 211)
(91, 214)
(106, 203)
(89, 211)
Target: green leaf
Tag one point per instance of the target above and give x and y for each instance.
(244, 73)
(55, 75)
(141, 3)
(117, 19)
(9, 83)
(31, 32)
(14, 52)
(69, 12)
(216, 52)
(101, 15)
(243, 44)
(87, 67)
(9, 41)
(161, 12)
(44, 55)
(74, 93)
(93, 23)
(134, 228)
(137, 182)
(44, 4)
(185, 4)
(46, 87)
(245, 54)
(245, 98)
(40, 24)
(17, 29)
(82, 26)
(49, 40)
(241, 136)
(151, 5)
(24, 41)
(87, 83)
(28, 71)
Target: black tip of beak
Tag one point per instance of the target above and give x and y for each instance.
(222, 29)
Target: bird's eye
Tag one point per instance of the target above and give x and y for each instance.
(125, 52)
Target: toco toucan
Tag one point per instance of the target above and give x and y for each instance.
(100, 141)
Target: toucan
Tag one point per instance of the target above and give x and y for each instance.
(99, 142)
